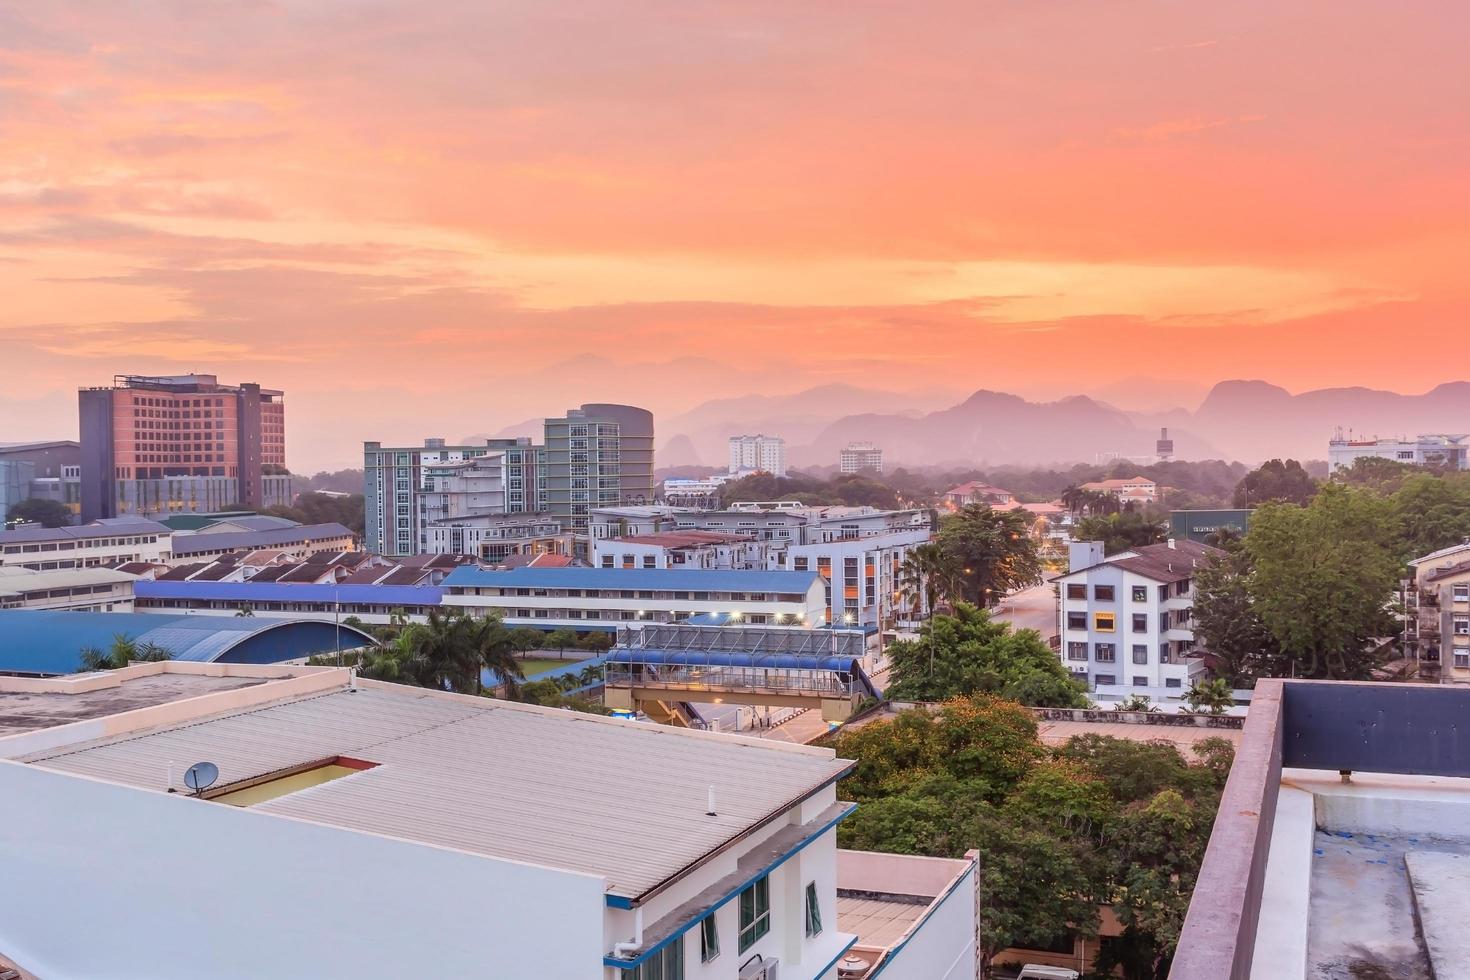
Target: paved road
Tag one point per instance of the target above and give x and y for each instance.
(1034, 608)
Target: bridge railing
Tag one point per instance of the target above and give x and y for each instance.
(827, 683)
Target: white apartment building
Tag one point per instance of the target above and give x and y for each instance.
(857, 550)
(538, 843)
(1126, 619)
(606, 598)
(1449, 451)
(757, 454)
(465, 488)
(105, 542)
(78, 589)
(1437, 603)
(858, 456)
(688, 492)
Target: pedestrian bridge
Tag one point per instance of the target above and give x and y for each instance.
(726, 665)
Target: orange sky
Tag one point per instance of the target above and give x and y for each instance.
(445, 217)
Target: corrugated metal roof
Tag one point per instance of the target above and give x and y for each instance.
(257, 591)
(619, 799)
(185, 544)
(110, 528)
(700, 580)
(43, 641)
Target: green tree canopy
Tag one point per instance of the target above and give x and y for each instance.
(971, 653)
(1322, 579)
(1275, 481)
(38, 510)
(1121, 531)
(993, 549)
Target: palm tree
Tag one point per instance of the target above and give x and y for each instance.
(495, 648)
(1074, 498)
(244, 612)
(91, 659)
(927, 577)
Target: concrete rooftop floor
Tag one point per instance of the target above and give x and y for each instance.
(29, 712)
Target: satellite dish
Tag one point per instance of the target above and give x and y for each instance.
(200, 776)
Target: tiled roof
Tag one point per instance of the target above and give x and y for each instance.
(700, 580)
(187, 544)
(1159, 562)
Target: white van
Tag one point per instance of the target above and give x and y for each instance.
(1032, 971)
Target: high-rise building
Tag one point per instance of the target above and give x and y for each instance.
(757, 454)
(859, 456)
(153, 446)
(598, 456)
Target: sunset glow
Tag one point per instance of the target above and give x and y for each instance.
(477, 207)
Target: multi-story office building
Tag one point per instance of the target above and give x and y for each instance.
(1437, 608)
(598, 456)
(856, 550)
(605, 598)
(113, 541)
(186, 443)
(44, 470)
(858, 456)
(1448, 451)
(332, 791)
(757, 454)
(1127, 619)
(407, 489)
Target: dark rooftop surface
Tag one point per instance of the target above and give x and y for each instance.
(28, 712)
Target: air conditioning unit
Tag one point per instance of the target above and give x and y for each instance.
(761, 968)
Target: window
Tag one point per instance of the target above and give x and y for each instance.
(1462, 625)
(607, 561)
(1139, 681)
(1462, 593)
(1140, 653)
(1462, 659)
(666, 964)
(1106, 653)
(1076, 651)
(1076, 590)
(755, 913)
(1140, 593)
(1173, 682)
(1106, 680)
(1140, 622)
(709, 939)
(813, 911)
(1076, 620)
(1104, 622)
(1102, 593)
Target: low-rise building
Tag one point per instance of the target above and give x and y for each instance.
(493, 538)
(857, 550)
(297, 540)
(331, 791)
(81, 589)
(1444, 450)
(1437, 607)
(605, 598)
(106, 542)
(1138, 489)
(1127, 619)
(859, 456)
(975, 492)
(691, 492)
(680, 549)
(268, 598)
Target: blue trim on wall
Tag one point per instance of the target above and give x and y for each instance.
(840, 954)
(933, 907)
(795, 849)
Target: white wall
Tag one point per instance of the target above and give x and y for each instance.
(943, 945)
(98, 880)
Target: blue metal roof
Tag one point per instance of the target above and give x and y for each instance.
(706, 658)
(663, 579)
(34, 641)
(383, 595)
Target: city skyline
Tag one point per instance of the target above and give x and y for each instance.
(622, 204)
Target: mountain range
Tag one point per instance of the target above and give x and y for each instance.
(1242, 420)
